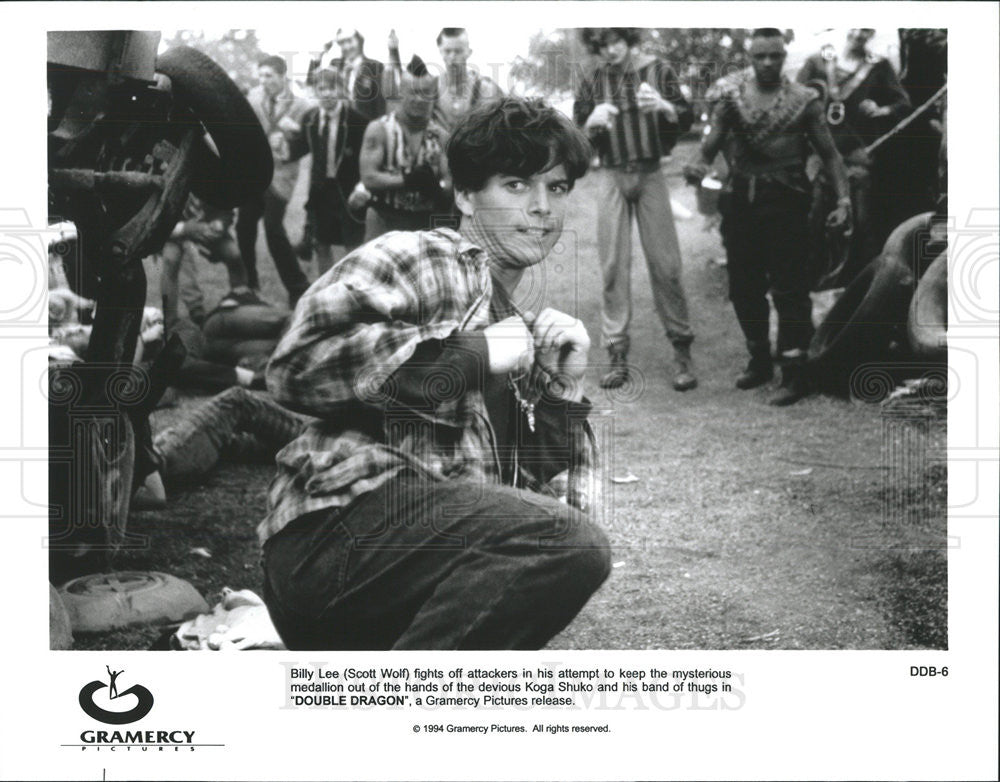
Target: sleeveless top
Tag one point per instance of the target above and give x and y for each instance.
(430, 152)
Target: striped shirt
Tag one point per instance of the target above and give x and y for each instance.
(430, 152)
(352, 330)
(636, 138)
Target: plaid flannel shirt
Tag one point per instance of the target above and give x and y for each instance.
(357, 325)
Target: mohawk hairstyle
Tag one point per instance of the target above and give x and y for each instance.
(516, 137)
(417, 67)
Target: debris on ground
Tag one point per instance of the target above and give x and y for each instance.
(771, 636)
(238, 622)
(927, 388)
(630, 478)
(106, 601)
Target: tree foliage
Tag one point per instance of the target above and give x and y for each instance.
(557, 59)
(236, 51)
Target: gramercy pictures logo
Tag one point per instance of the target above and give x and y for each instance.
(143, 700)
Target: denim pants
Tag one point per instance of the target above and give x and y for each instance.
(646, 195)
(237, 421)
(247, 332)
(421, 564)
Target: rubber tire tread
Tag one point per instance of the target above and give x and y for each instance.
(244, 166)
(864, 320)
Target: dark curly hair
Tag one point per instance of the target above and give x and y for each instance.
(515, 137)
(275, 63)
(596, 37)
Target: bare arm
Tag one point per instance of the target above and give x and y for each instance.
(819, 137)
(715, 134)
(372, 160)
(822, 141)
(718, 129)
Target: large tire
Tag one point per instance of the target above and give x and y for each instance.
(927, 326)
(244, 165)
(872, 311)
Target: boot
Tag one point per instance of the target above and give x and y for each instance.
(794, 385)
(759, 371)
(617, 376)
(684, 380)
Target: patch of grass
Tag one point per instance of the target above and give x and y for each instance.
(916, 597)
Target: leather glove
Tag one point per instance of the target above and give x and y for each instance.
(423, 178)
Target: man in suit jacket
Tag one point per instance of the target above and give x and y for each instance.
(280, 113)
(333, 132)
(363, 75)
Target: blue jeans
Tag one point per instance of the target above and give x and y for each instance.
(420, 564)
(234, 423)
(249, 331)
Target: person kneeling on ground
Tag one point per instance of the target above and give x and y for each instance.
(415, 513)
(204, 233)
(231, 348)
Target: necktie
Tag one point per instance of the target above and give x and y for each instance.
(352, 72)
(330, 143)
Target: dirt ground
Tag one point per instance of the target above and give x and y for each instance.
(819, 526)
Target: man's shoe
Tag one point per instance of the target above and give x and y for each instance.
(617, 376)
(793, 386)
(758, 372)
(684, 380)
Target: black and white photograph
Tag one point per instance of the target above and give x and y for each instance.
(429, 396)
(649, 370)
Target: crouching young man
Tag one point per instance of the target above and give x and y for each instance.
(416, 512)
